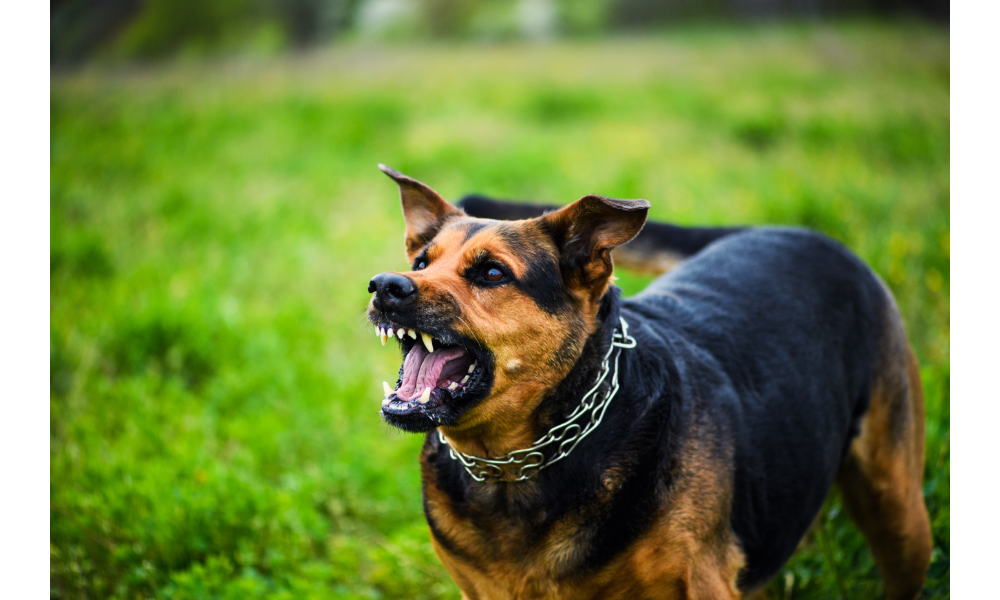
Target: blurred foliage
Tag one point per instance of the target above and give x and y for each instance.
(152, 29)
(149, 29)
(165, 26)
(214, 387)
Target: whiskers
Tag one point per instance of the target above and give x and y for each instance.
(472, 332)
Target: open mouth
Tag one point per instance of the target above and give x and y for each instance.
(441, 376)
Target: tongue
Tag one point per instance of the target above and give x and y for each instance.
(422, 369)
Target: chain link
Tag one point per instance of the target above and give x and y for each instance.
(567, 434)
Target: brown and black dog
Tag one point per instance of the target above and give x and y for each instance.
(677, 444)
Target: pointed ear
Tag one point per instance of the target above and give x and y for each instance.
(424, 210)
(585, 233)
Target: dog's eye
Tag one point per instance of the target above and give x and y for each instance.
(420, 265)
(493, 274)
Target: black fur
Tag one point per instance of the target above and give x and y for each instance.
(760, 348)
(483, 207)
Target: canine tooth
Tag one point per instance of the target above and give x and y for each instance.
(412, 334)
(425, 396)
(400, 333)
(464, 379)
(472, 367)
(452, 385)
(388, 390)
(383, 338)
(428, 341)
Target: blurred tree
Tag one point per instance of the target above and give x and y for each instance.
(639, 13)
(582, 16)
(448, 18)
(78, 27)
(308, 22)
(152, 28)
(165, 26)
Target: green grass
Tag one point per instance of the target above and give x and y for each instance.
(214, 388)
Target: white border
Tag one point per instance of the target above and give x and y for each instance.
(24, 303)
(975, 304)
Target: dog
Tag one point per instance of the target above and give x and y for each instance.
(676, 444)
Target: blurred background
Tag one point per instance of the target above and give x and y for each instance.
(145, 29)
(216, 214)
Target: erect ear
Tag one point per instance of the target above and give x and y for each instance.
(585, 233)
(424, 210)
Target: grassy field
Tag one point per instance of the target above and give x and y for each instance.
(214, 388)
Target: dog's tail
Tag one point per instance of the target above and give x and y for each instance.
(658, 248)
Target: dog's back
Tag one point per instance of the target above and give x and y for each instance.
(786, 316)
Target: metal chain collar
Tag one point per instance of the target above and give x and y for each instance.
(568, 434)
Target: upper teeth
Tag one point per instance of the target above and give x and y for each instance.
(385, 333)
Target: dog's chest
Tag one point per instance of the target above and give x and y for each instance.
(500, 559)
(494, 540)
(497, 557)
(495, 546)
(493, 550)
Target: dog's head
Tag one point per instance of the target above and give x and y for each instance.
(493, 314)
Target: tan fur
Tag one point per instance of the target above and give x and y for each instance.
(691, 552)
(646, 263)
(882, 475)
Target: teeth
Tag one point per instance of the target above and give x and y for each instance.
(472, 368)
(464, 379)
(389, 332)
(425, 396)
(388, 390)
(412, 333)
(428, 341)
(400, 333)
(452, 385)
(383, 338)
(378, 332)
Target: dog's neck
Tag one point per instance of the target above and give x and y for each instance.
(565, 397)
(552, 405)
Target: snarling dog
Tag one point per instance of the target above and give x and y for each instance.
(677, 444)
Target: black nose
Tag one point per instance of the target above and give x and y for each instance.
(391, 290)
